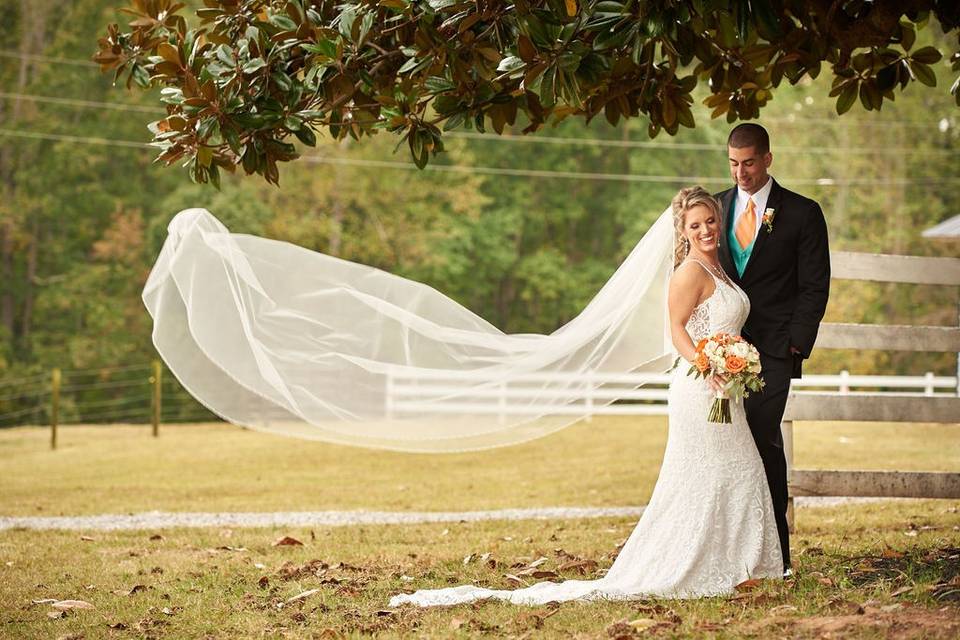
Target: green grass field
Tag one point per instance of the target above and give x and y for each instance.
(217, 467)
(878, 570)
(882, 570)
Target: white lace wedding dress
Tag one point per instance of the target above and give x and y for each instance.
(709, 525)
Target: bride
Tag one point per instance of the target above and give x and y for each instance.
(709, 524)
(278, 338)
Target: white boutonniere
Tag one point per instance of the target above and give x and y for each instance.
(767, 219)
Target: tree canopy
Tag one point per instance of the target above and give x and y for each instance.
(245, 78)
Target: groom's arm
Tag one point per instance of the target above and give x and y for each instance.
(813, 280)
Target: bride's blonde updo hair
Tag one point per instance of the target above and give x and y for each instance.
(686, 199)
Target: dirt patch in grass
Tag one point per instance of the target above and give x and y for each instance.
(900, 621)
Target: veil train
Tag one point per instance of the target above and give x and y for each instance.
(275, 337)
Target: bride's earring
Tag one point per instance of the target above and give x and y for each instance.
(686, 246)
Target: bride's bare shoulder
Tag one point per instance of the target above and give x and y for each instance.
(690, 281)
(689, 273)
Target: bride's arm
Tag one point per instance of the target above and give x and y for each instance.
(687, 287)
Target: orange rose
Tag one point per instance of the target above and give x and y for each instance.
(734, 364)
(701, 362)
(702, 344)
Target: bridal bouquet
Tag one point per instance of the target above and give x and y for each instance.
(736, 360)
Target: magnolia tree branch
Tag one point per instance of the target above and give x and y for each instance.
(248, 78)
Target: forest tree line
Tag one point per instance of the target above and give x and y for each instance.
(509, 226)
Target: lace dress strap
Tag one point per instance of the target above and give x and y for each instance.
(705, 267)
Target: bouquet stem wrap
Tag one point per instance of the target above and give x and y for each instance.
(720, 409)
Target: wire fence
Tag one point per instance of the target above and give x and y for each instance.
(132, 393)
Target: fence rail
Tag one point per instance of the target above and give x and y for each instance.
(635, 394)
(930, 407)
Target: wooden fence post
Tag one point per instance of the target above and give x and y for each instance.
(54, 406)
(155, 381)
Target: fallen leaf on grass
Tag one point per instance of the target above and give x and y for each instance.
(117, 626)
(297, 598)
(44, 601)
(580, 566)
(263, 582)
(514, 579)
(827, 582)
(66, 605)
(86, 539)
(620, 630)
(889, 552)
(238, 549)
(901, 591)
(533, 619)
(155, 537)
(645, 624)
(287, 541)
(537, 573)
(782, 609)
(456, 623)
(56, 614)
(748, 585)
(137, 588)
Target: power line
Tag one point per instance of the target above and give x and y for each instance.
(923, 124)
(37, 135)
(560, 140)
(503, 171)
(72, 102)
(79, 62)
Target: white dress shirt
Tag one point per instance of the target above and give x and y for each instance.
(759, 204)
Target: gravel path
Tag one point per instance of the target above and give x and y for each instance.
(163, 520)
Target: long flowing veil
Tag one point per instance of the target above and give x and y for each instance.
(279, 338)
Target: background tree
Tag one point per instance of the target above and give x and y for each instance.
(521, 229)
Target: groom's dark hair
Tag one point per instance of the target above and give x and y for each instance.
(749, 134)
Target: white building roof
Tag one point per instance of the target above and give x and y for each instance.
(949, 228)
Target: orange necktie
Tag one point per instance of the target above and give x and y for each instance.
(747, 225)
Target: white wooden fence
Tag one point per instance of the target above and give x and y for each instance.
(599, 391)
(843, 397)
(875, 407)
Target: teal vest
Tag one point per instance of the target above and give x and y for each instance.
(740, 256)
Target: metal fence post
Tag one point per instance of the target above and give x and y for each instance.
(155, 380)
(54, 406)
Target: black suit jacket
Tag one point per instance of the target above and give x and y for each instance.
(787, 277)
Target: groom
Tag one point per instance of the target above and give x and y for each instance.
(774, 246)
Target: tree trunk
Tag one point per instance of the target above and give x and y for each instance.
(33, 21)
(26, 319)
(7, 300)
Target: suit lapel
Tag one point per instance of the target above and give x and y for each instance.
(773, 202)
(726, 260)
